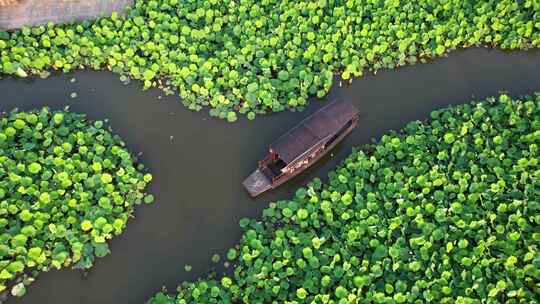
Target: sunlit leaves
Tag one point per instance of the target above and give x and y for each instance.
(34, 168)
(252, 57)
(86, 225)
(415, 228)
(66, 187)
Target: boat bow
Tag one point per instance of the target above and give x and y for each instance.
(257, 183)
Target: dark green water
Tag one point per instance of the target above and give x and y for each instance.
(199, 162)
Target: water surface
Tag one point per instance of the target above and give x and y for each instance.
(199, 162)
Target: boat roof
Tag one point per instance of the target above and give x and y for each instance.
(326, 121)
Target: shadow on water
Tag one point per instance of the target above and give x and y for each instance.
(199, 162)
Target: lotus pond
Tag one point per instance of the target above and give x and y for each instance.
(67, 187)
(198, 162)
(252, 56)
(443, 212)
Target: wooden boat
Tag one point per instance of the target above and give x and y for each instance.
(302, 146)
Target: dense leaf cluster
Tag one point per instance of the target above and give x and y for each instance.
(445, 212)
(66, 187)
(254, 56)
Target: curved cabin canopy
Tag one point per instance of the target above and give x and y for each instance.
(326, 122)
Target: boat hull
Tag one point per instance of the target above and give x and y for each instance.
(257, 182)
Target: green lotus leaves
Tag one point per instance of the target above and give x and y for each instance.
(86, 225)
(5, 275)
(15, 267)
(301, 293)
(106, 178)
(34, 253)
(101, 250)
(66, 187)
(341, 292)
(254, 57)
(34, 168)
(232, 254)
(149, 199)
(408, 229)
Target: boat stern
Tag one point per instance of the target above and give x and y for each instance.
(257, 183)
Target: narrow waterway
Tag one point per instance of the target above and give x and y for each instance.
(199, 162)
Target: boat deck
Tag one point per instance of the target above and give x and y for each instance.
(257, 183)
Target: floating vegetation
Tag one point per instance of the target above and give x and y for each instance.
(443, 212)
(125, 79)
(252, 56)
(66, 187)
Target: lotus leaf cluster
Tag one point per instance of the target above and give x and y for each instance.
(255, 56)
(446, 211)
(66, 187)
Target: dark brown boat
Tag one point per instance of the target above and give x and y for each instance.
(302, 146)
